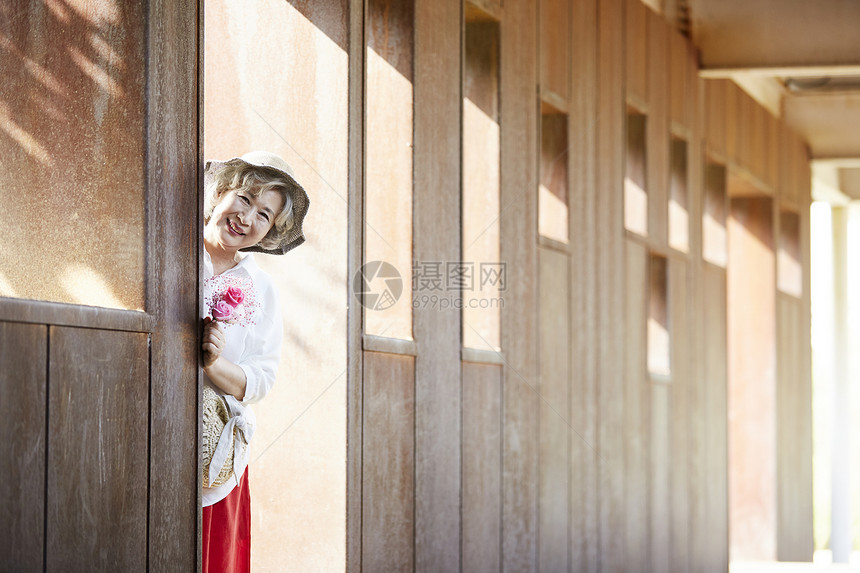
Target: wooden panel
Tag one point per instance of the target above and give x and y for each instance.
(680, 102)
(745, 132)
(24, 357)
(714, 554)
(554, 344)
(98, 421)
(794, 435)
(173, 244)
(610, 281)
(774, 152)
(758, 141)
(636, 53)
(752, 382)
(731, 121)
(636, 399)
(555, 48)
(38, 312)
(355, 224)
(519, 329)
(680, 414)
(482, 478)
(437, 237)
(715, 115)
(658, 129)
(662, 478)
(584, 517)
(387, 474)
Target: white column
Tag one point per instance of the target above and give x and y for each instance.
(840, 541)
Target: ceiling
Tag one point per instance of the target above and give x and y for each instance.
(800, 58)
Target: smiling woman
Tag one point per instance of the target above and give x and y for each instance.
(253, 203)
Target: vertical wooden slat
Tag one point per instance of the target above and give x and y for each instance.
(482, 479)
(637, 401)
(731, 121)
(584, 517)
(680, 445)
(715, 115)
(437, 158)
(636, 50)
(662, 468)
(554, 344)
(97, 443)
(610, 278)
(680, 100)
(387, 476)
(658, 129)
(555, 47)
(355, 382)
(173, 242)
(23, 386)
(698, 523)
(519, 147)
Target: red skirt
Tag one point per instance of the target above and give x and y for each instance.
(227, 532)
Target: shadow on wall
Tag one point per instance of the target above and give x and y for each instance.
(72, 139)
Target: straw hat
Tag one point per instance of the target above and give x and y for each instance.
(278, 167)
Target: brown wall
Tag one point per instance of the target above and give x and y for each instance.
(565, 450)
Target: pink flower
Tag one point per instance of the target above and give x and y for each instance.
(234, 296)
(222, 310)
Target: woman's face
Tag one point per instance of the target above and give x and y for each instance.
(241, 220)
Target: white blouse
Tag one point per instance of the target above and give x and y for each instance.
(253, 343)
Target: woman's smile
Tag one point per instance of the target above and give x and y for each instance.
(233, 229)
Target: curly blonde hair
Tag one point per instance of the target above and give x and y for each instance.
(236, 175)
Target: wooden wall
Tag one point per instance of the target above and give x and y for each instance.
(568, 449)
(595, 439)
(99, 411)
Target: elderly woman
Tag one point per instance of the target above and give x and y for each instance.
(253, 203)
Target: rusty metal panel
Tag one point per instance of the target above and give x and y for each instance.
(72, 124)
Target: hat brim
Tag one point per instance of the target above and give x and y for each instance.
(295, 236)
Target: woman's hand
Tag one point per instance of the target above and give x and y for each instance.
(213, 342)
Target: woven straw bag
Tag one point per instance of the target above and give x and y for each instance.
(215, 417)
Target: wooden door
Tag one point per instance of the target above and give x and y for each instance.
(98, 400)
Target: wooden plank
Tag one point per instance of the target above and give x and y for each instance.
(554, 345)
(23, 385)
(758, 140)
(355, 230)
(658, 129)
(698, 477)
(482, 478)
(715, 115)
(774, 151)
(173, 243)
(661, 482)
(584, 517)
(636, 50)
(636, 399)
(40, 312)
(794, 435)
(437, 237)
(98, 409)
(715, 549)
(680, 444)
(680, 101)
(554, 48)
(388, 471)
(610, 285)
(731, 121)
(519, 147)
